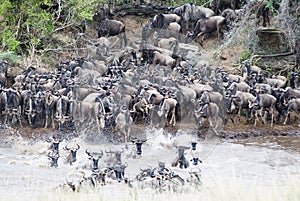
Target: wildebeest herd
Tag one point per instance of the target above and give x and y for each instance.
(101, 168)
(159, 84)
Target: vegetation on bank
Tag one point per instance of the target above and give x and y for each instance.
(31, 29)
(28, 26)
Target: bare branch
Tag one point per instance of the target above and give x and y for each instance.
(58, 12)
(60, 50)
(62, 27)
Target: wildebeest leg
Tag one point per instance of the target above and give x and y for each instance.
(100, 122)
(239, 113)
(175, 163)
(61, 126)
(212, 120)
(202, 37)
(287, 117)
(256, 118)
(46, 120)
(121, 40)
(272, 119)
(264, 116)
(218, 31)
(53, 123)
(19, 116)
(173, 119)
(125, 39)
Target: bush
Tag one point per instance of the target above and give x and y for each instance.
(245, 55)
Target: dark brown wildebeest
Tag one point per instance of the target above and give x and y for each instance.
(112, 28)
(208, 26)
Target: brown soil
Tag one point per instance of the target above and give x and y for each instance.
(229, 131)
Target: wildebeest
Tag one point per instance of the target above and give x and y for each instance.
(211, 112)
(119, 170)
(264, 104)
(168, 108)
(141, 106)
(180, 160)
(276, 82)
(241, 86)
(94, 157)
(4, 67)
(190, 13)
(173, 29)
(2, 80)
(292, 106)
(55, 140)
(168, 43)
(61, 113)
(239, 101)
(250, 69)
(50, 108)
(288, 93)
(123, 123)
(72, 149)
(230, 16)
(138, 143)
(112, 28)
(116, 157)
(53, 156)
(12, 111)
(162, 59)
(208, 26)
(185, 95)
(161, 21)
(219, 5)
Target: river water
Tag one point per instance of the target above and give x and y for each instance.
(248, 170)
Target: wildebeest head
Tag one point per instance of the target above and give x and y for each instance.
(94, 157)
(194, 144)
(204, 111)
(196, 160)
(53, 156)
(138, 143)
(181, 150)
(12, 99)
(73, 151)
(180, 10)
(157, 22)
(39, 101)
(120, 171)
(117, 155)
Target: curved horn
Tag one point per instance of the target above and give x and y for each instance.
(66, 147)
(87, 152)
(185, 147)
(49, 155)
(100, 154)
(109, 152)
(49, 140)
(78, 147)
(132, 139)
